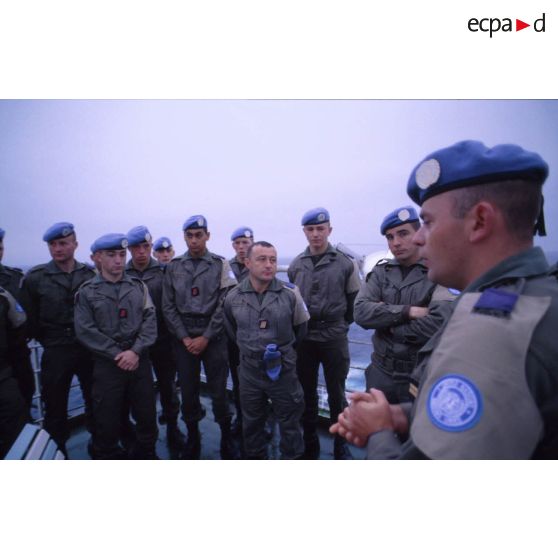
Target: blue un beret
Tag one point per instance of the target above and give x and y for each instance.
(195, 222)
(2, 233)
(138, 234)
(163, 242)
(469, 163)
(58, 230)
(111, 241)
(244, 232)
(400, 216)
(315, 216)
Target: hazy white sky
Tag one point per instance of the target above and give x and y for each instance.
(109, 165)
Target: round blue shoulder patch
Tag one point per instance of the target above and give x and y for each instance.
(454, 403)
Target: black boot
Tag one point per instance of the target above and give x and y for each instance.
(192, 450)
(175, 438)
(228, 448)
(236, 427)
(311, 445)
(341, 449)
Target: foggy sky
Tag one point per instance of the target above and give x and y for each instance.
(107, 166)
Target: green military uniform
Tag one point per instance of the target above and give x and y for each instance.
(11, 279)
(161, 353)
(383, 304)
(193, 293)
(277, 316)
(240, 272)
(110, 318)
(239, 269)
(13, 412)
(488, 379)
(329, 284)
(48, 296)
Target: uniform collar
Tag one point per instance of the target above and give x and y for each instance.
(152, 263)
(246, 287)
(528, 263)
(329, 250)
(394, 262)
(51, 267)
(100, 279)
(206, 256)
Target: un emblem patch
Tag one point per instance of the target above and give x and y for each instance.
(454, 403)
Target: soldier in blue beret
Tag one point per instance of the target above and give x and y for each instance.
(401, 305)
(194, 288)
(267, 317)
(163, 250)
(48, 296)
(242, 238)
(329, 281)
(94, 256)
(146, 268)
(115, 319)
(316, 216)
(487, 383)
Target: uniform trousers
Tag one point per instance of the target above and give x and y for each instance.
(112, 387)
(58, 365)
(395, 385)
(216, 370)
(287, 402)
(234, 361)
(334, 357)
(12, 411)
(164, 364)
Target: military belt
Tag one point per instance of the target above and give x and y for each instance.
(394, 366)
(125, 345)
(324, 324)
(201, 321)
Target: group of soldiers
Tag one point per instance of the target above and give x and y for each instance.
(462, 363)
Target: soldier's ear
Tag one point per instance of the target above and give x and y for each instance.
(208, 234)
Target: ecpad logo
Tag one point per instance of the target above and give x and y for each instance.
(494, 24)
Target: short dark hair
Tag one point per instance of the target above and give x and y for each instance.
(262, 243)
(519, 200)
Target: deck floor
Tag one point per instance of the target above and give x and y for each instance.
(77, 444)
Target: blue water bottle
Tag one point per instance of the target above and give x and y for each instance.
(272, 362)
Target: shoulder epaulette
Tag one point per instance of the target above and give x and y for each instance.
(85, 283)
(383, 261)
(350, 256)
(289, 285)
(16, 269)
(36, 268)
(217, 256)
